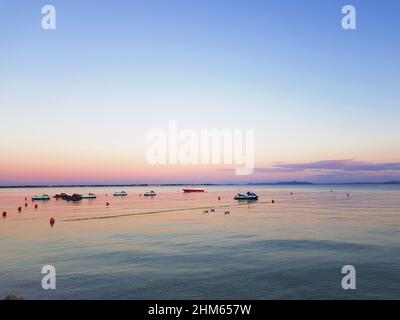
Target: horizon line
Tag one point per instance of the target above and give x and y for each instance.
(193, 184)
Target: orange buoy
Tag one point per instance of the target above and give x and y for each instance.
(19, 209)
(52, 221)
(107, 204)
(4, 214)
(273, 201)
(36, 206)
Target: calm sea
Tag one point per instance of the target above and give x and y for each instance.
(166, 248)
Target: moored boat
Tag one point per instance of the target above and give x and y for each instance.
(120, 194)
(193, 190)
(89, 196)
(247, 196)
(41, 197)
(74, 197)
(150, 194)
(59, 195)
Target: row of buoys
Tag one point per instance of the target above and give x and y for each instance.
(19, 209)
(26, 205)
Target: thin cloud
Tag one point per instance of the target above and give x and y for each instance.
(346, 165)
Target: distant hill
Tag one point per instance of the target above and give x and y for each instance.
(294, 183)
(283, 183)
(279, 183)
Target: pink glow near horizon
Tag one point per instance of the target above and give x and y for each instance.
(36, 173)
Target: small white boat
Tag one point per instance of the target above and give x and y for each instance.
(88, 196)
(150, 194)
(120, 194)
(247, 196)
(41, 197)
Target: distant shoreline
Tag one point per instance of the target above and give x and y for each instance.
(282, 183)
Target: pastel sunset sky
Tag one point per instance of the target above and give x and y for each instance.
(77, 102)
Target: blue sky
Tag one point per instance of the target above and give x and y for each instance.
(311, 90)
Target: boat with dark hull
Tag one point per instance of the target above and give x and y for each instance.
(74, 197)
(246, 196)
(193, 190)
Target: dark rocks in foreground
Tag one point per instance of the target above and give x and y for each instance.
(13, 297)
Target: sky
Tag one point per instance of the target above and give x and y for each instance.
(77, 102)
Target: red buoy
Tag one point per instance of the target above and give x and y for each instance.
(348, 195)
(19, 209)
(52, 221)
(219, 198)
(273, 201)
(26, 205)
(4, 214)
(36, 206)
(26, 198)
(107, 204)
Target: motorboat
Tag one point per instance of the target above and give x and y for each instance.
(246, 196)
(41, 197)
(150, 194)
(60, 195)
(74, 197)
(120, 194)
(193, 190)
(88, 196)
